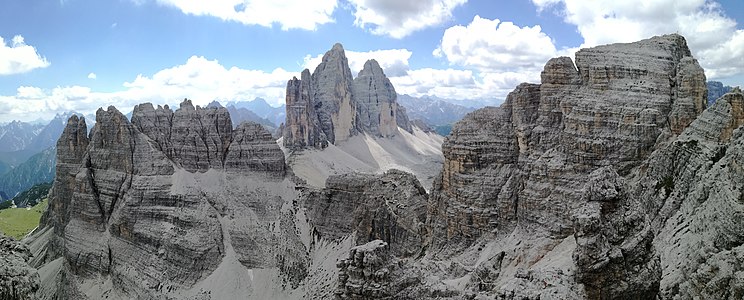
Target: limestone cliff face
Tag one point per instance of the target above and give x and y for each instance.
(128, 205)
(375, 99)
(331, 94)
(609, 180)
(611, 111)
(302, 127)
(330, 105)
(391, 208)
(563, 160)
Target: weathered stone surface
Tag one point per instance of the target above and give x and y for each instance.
(126, 206)
(18, 280)
(254, 149)
(523, 167)
(330, 106)
(331, 94)
(363, 275)
(530, 151)
(608, 180)
(302, 127)
(374, 97)
(196, 138)
(71, 148)
(391, 208)
(673, 230)
(198, 148)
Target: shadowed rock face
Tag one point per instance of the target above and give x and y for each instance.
(390, 207)
(18, 280)
(330, 105)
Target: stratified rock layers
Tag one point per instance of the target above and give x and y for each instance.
(330, 105)
(127, 203)
(556, 158)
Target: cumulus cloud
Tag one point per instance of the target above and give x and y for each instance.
(393, 61)
(493, 45)
(18, 57)
(398, 19)
(204, 80)
(92, 75)
(713, 38)
(500, 55)
(289, 14)
(199, 79)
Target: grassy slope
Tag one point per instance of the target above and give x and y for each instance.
(17, 222)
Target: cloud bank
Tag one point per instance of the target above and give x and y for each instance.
(17, 57)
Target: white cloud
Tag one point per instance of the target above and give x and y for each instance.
(92, 75)
(713, 38)
(398, 19)
(18, 57)
(499, 54)
(289, 14)
(393, 61)
(199, 79)
(492, 45)
(204, 80)
(30, 92)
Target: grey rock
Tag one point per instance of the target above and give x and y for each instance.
(716, 90)
(254, 149)
(390, 208)
(18, 280)
(523, 167)
(303, 126)
(197, 148)
(330, 106)
(375, 100)
(331, 95)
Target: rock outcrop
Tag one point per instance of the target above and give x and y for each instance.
(330, 106)
(142, 220)
(18, 280)
(391, 208)
(532, 166)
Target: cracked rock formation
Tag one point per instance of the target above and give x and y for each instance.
(330, 105)
(560, 160)
(142, 220)
(18, 280)
(608, 180)
(391, 207)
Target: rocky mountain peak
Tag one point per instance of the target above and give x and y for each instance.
(371, 68)
(340, 105)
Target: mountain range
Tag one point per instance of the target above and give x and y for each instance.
(611, 179)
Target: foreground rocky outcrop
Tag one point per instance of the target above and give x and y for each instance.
(330, 105)
(18, 280)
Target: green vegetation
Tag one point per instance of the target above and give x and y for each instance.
(17, 222)
(33, 195)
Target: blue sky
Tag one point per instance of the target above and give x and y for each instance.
(63, 55)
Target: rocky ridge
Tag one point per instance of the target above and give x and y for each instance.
(609, 180)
